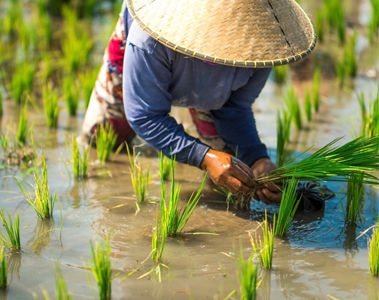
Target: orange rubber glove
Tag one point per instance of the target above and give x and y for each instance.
(228, 172)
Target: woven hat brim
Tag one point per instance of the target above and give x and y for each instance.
(244, 33)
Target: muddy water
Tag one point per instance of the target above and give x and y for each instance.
(321, 258)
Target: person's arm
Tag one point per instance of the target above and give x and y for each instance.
(236, 125)
(147, 100)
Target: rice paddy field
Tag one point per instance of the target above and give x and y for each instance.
(77, 224)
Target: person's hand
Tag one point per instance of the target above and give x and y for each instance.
(227, 171)
(269, 192)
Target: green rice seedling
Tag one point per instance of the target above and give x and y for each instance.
(320, 25)
(350, 58)
(283, 135)
(77, 45)
(373, 250)
(369, 116)
(373, 24)
(42, 201)
(158, 241)
(22, 130)
(1, 102)
(3, 270)
(140, 178)
(280, 74)
(79, 160)
(336, 18)
(71, 95)
(5, 143)
(333, 163)
(11, 237)
(50, 105)
(22, 80)
(315, 94)
(87, 81)
(308, 106)
(164, 165)
(293, 107)
(101, 268)
(264, 247)
(105, 141)
(341, 73)
(248, 278)
(355, 191)
(287, 208)
(61, 290)
(172, 218)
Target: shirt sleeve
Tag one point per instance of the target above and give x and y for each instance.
(147, 100)
(235, 121)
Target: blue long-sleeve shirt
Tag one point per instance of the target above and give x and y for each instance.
(156, 77)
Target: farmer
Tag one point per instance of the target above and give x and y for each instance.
(212, 56)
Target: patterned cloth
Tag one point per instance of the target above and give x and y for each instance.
(106, 102)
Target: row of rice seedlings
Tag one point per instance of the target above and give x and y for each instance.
(373, 250)
(333, 163)
(50, 105)
(101, 268)
(71, 94)
(105, 141)
(22, 129)
(11, 237)
(287, 208)
(355, 192)
(140, 178)
(79, 160)
(373, 25)
(264, 247)
(3, 270)
(77, 43)
(22, 80)
(42, 200)
(369, 116)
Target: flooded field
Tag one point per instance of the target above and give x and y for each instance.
(322, 256)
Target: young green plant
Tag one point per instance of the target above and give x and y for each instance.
(11, 237)
(373, 250)
(50, 105)
(287, 208)
(3, 269)
(42, 201)
(71, 94)
(283, 132)
(105, 142)
(248, 278)
(355, 192)
(264, 247)
(174, 219)
(79, 160)
(101, 268)
(61, 290)
(140, 178)
(22, 130)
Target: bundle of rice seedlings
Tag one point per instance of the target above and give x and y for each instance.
(332, 163)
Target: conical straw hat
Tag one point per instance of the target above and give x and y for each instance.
(242, 33)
